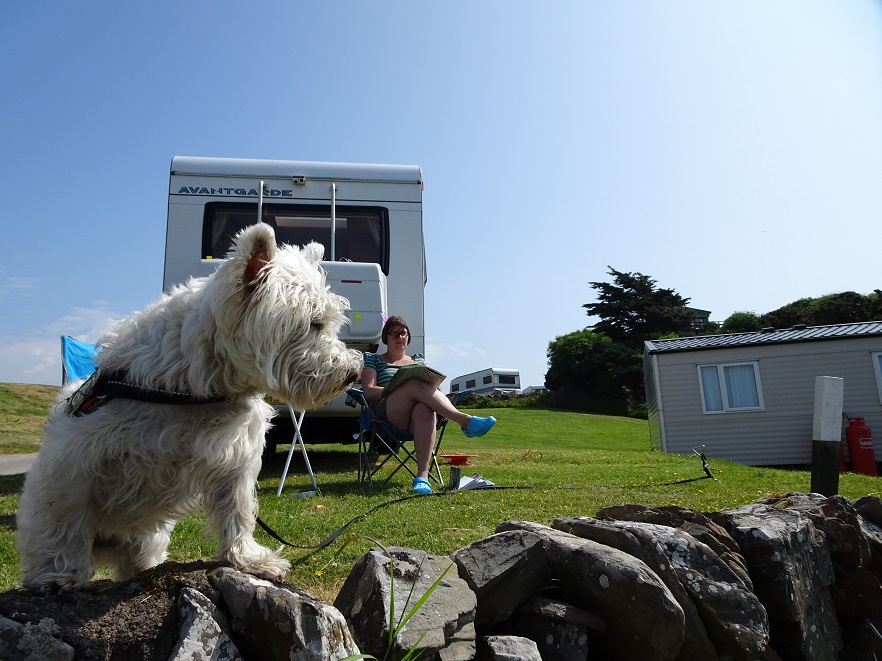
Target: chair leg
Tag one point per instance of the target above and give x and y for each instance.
(395, 453)
(439, 477)
(364, 458)
(400, 453)
(298, 438)
(285, 470)
(436, 450)
(368, 440)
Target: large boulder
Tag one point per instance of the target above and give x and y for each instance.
(791, 569)
(697, 524)
(856, 590)
(503, 570)
(644, 620)
(271, 621)
(384, 587)
(723, 617)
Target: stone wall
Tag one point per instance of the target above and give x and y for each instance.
(795, 577)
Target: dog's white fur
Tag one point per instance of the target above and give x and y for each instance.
(109, 486)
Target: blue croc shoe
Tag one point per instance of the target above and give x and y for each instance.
(479, 426)
(421, 486)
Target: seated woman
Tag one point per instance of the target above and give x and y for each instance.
(415, 405)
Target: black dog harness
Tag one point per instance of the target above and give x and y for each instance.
(101, 387)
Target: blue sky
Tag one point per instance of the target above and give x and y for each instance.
(730, 150)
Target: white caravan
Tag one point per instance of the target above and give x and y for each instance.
(490, 381)
(368, 217)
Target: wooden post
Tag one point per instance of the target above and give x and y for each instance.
(827, 434)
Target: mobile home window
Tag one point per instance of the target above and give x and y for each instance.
(454, 387)
(361, 233)
(488, 379)
(877, 367)
(507, 379)
(730, 387)
(470, 383)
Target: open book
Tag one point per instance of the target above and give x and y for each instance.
(475, 482)
(407, 372)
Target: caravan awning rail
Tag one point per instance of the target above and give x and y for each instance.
(314, 171)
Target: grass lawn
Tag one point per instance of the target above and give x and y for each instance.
(552, 464)
(23, 409)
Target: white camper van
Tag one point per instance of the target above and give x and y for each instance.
(490, 381)
(368, 217)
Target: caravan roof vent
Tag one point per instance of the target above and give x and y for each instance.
(798, 327)
(768, 329)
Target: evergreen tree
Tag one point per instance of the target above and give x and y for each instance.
(632, 309)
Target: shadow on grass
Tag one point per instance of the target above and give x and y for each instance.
(340, 488)
(335, 470)
(11, 485)
(322, 460)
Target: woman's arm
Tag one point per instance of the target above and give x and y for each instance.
(369, 384)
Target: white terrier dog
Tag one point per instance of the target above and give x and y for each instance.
(115, 473)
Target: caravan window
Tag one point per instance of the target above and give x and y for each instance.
(507, 379)
(732, 387)
(362, 233)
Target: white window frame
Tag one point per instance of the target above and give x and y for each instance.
(877, 368)
(724, 393)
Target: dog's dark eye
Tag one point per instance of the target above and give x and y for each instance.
(317, 326)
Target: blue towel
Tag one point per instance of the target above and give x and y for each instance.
(77, 359)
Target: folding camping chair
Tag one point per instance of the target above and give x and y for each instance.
(378, 437)
(77, 359)
(297, 419)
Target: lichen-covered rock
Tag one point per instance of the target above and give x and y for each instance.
(272, 621)
(723, 617)
(790, 565)
(503, 570)
(644, 620)
(442, 628)
(204, 631)
(507, 648)
(32, 642)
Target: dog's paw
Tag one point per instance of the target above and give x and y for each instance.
(259, 561)
(271, 570)
(55, 583)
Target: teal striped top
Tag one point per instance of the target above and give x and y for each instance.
(384, 370)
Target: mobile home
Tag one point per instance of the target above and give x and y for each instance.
(490, 381)
(368, 217)
(749, 397)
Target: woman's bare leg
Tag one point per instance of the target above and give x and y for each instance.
(423, 427)
(400, 404)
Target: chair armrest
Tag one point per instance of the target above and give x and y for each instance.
(355, 397)
(456, 397)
